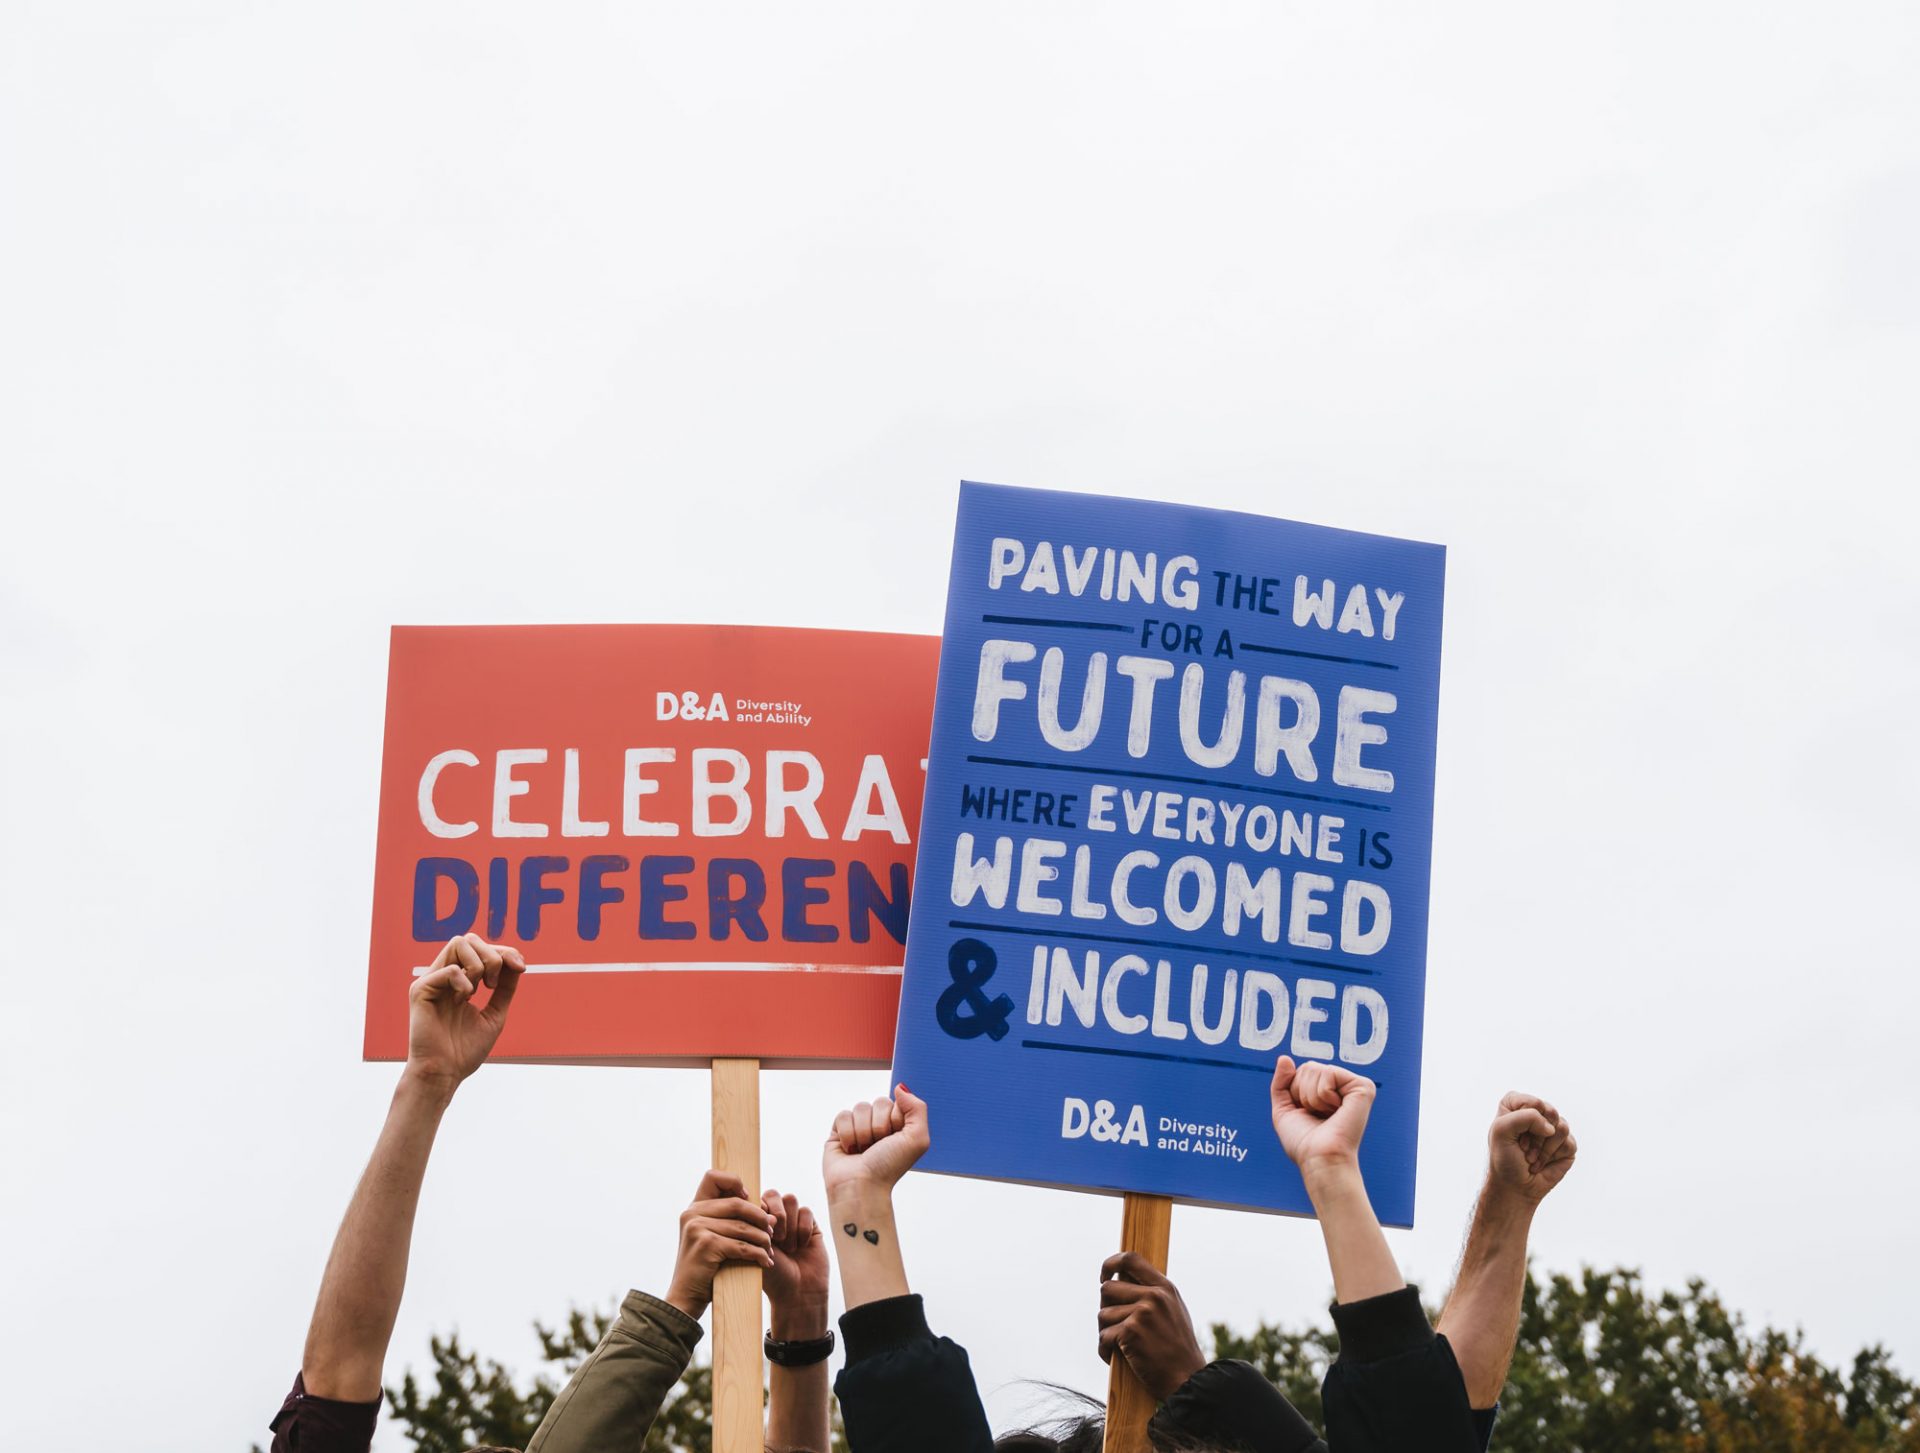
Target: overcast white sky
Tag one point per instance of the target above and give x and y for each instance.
(315, 319)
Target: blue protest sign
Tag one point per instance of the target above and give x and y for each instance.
(1178, 823)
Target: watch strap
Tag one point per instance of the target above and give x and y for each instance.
(799, 1353)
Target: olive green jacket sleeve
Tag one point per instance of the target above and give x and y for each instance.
(608, 1405)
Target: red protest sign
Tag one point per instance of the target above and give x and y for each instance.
(702, 837)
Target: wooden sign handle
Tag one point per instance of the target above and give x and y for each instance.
(1146, 1224)
(738, 1368)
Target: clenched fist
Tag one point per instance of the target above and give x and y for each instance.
(1320, 1113)
(875, 1143)
(1530, 1148)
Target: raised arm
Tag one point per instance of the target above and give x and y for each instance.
(448, 1038)
(1530, 1150)
(1395, 1384)
(871, 1147)
(1320, 1114)
(902, 1387)
(798, 1343)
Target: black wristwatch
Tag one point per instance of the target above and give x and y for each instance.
(799, 1354)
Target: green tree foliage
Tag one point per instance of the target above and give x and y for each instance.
(1604, 1364)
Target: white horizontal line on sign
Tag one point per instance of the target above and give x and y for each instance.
(420, 969)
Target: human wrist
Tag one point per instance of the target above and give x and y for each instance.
(1330, 1175)
(1180, 1370)
(860, 1219)
(686, 1299)
(800, 1318)
(425, 1089)
(862, 1196)
(1504, 1206)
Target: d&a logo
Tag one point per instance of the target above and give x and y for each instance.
(1078, 1119)
(685, 705)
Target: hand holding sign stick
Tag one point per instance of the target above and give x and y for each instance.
(1144, 1319)
(723, 1226)
(1133, 1385)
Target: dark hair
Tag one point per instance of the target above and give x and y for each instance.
(1079, 1427)
(1085, 1434)
(1083, 1429)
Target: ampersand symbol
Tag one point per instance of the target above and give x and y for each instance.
(690, 706)
(1103, 1127)
(971, 963)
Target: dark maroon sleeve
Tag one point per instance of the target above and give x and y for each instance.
(307, 1424)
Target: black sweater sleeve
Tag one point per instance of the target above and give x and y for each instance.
(1395, 1387)
(1228, 1405)
(903, 1389)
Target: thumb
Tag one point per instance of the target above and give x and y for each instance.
(501, 1000)
(911, 1106)
(1283, 1072)
(436, 984)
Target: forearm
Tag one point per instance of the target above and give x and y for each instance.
(1482, 1316)
(797, 1404)
(367, 1270)
(1357, 1250)
(871, 1268)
